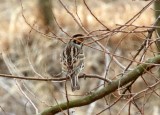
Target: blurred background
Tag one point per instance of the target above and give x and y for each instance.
(31, 43)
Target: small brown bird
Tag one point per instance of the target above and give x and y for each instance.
(72, 60)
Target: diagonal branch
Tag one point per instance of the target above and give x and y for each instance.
(111, 87)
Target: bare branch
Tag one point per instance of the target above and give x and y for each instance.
(131, 76)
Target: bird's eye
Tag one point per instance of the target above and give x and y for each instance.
(78, 42)
(75, 41)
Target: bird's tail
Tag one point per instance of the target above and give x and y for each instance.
(74, 82)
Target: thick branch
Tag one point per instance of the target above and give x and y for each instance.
(132, 75)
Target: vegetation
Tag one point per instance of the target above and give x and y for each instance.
(120, 46)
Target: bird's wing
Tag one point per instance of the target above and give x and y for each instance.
(72, 57)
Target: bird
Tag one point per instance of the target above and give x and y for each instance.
(72, 60)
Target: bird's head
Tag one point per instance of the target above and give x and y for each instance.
(78, 38)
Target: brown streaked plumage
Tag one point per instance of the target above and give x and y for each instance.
(73, 60)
